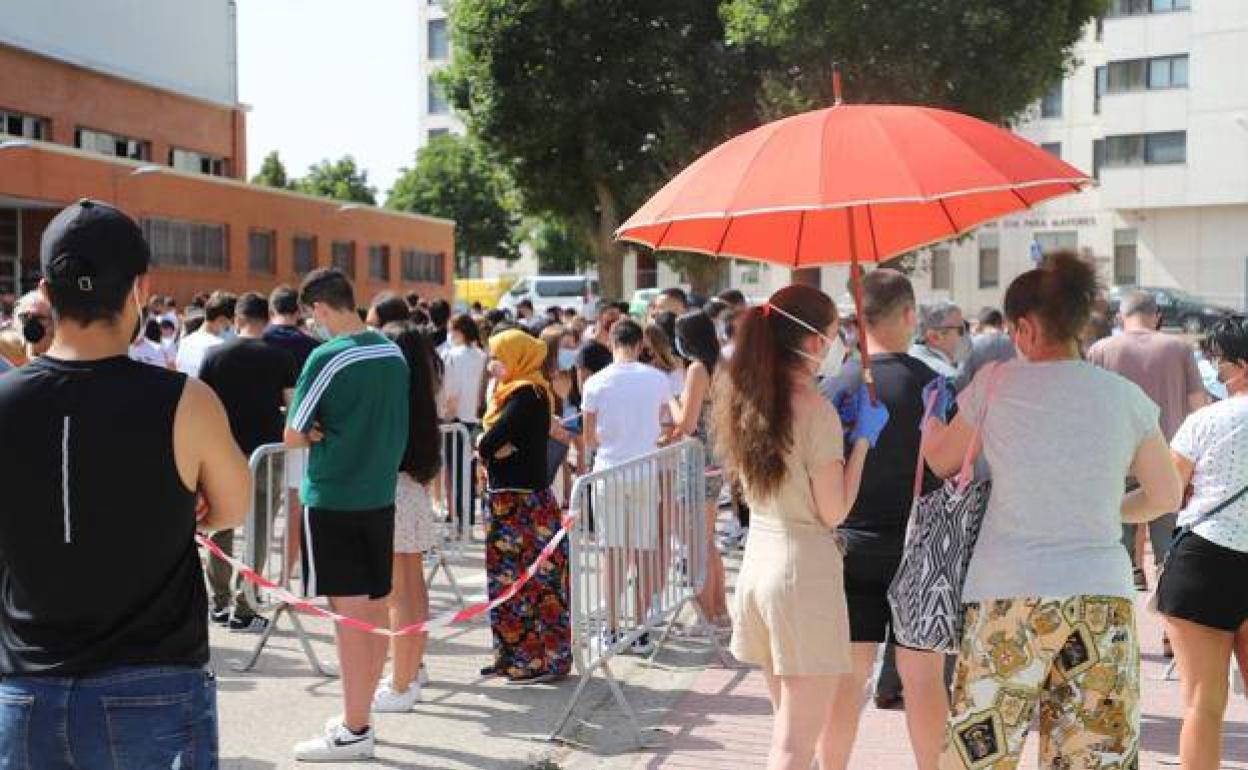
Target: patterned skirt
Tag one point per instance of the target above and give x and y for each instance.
(533, 631)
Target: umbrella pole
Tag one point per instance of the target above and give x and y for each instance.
(855, 280)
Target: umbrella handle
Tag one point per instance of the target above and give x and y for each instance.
(868, 376)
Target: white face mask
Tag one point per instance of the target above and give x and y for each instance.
(833, 359)
(962, 353)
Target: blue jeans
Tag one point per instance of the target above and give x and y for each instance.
(134, 718)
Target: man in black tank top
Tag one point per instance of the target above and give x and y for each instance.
(113, 454)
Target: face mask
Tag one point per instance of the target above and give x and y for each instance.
(962, 352)
(228, 333)
(322, 332)
(833, 358)
(567, 359)
(33, 331)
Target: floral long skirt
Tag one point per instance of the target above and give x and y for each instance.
(532, 631)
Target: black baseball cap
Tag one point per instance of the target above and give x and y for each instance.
(91, 244)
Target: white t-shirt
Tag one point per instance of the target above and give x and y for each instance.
(193, 349)
(148, 352)
(1059, 438)
(1215, 440)
(626, 399)
(465, 366)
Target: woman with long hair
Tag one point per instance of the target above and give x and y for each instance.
(533, 631)
(413, 521)
(783, 440)
(697, 342)
(1202, 592)
(1049, 610)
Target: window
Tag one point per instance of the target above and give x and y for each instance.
(436, 132)
(112, 144)
(438, 48)
(303, 254)
(1102, 85)
(1052, 148)
(1062, 240)
(379, 262)
(1098, 157)
(1147, 74)
(422, 266)
(196, 162)
(26, 126)
(942, 270)
(1141, 7)
(1126, 262)
(647, 269)
(342, 256)
(1051, 104)
(1145, 149)
(989, 260)
(262, 252)
(186, 245)
(437, 100)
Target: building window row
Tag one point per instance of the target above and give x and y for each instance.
(25, 126)
(1051, 104)
(115, 145)
(303, 254)
(197, 162)
(262, 252)
(438, 47)
(187, 245)
(342, 256)
(1146, 74)
(1127, 150)
(423, 266)
(437, 102)
(1142, 7)
(379, 262)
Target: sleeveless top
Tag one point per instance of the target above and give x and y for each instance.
(98, 564)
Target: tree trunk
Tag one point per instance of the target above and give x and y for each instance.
(807, 276)
(608, 252)
(707, 274)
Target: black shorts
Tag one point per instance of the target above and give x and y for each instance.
(348, 553)
(868, 574)
(1205, 583)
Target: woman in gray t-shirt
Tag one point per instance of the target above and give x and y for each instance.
(1049, 615)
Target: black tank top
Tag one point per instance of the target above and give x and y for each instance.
(98, 565)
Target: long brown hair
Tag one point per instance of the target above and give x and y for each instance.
(753, 407)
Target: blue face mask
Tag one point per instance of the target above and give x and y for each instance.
(567, 359)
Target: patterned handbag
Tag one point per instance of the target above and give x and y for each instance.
(926, 593)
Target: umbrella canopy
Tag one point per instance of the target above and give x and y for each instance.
(849, 183)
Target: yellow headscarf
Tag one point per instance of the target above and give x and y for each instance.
(523, 356)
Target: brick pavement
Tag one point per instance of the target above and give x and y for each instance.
(725, 722)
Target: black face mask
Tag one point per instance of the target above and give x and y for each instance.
(33, 330)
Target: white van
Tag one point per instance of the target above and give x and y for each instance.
(563, 291)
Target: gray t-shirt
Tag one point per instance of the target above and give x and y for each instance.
(1059, 437)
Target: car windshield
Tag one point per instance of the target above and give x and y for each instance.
(560, 287)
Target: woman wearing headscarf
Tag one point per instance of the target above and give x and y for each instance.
(532, 631)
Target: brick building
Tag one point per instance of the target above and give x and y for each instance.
(117, 114)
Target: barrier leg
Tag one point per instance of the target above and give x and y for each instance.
(300, 634)
(617, 693)
(440, 564)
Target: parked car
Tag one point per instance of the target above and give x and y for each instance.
(545, 291)
(1179, 310)
(641, 302)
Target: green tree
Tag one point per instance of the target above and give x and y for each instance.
(341, 180)
(594, 104)
(454, 178)
(988, 58)
(272, 173)
(559, 247)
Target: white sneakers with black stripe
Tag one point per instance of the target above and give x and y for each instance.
(338, 744)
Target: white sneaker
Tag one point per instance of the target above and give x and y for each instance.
(641, 645)
(422, 676)
(388, 701)
(337, 745)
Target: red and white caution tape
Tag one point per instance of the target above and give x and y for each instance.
(425, 626)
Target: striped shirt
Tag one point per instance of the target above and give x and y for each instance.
(354, 390)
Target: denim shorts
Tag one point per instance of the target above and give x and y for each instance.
(131, 718)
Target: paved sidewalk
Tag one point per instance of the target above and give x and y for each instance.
(725, 722)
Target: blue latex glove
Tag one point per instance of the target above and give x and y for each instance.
(846, 407)
(871, 418)
(945, 397)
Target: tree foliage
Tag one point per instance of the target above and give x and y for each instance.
(341, 180)
(454, 178)
(560, 248)
(272, 173)
(596, 103)
(988, 58)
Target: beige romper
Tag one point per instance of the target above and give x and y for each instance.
(788, 611)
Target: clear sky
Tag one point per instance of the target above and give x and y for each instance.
(326, 78)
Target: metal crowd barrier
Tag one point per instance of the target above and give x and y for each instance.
(638, 556)
(269, 548)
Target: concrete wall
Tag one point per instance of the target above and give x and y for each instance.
(183, 45)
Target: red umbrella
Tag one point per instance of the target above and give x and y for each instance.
(849, 183)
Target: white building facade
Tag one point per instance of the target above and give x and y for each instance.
(434, 46)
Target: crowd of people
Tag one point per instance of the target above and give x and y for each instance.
(138, 415)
